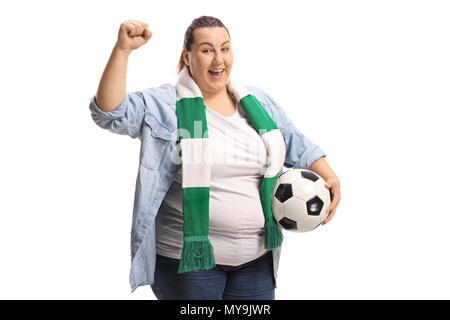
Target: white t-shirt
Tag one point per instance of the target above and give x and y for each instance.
(236, 219)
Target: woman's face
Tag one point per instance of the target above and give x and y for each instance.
(211, 50)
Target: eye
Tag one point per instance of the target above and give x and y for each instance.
(205, 50)
(228, 49)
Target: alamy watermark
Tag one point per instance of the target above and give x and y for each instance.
(231, 146)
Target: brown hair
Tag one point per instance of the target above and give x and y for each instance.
(203, 21)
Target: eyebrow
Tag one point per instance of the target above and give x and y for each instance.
(212, 44)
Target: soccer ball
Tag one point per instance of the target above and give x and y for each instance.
(300, 200)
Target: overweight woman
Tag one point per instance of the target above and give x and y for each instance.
(211, 148)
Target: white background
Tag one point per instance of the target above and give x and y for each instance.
(368, 81)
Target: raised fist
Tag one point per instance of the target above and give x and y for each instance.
(133, 34)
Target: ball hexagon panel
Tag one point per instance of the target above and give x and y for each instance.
(308, 223)
(304, 189)
(288, 176)
(294, 209)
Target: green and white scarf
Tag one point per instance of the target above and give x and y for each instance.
(197, 253)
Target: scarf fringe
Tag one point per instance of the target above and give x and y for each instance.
(273, 236)
(197, 254)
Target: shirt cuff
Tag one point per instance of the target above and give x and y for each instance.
(117, 113)
(305, 163)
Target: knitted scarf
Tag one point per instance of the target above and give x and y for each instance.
(197, 252)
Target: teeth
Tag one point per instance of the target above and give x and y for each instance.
(217, 70)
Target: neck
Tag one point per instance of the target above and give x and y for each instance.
(217, 95)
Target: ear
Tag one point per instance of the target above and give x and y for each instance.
(186, 57)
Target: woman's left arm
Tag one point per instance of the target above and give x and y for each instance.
(300, 151)
(321, 167)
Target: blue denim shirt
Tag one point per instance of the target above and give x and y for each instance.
(150, 116)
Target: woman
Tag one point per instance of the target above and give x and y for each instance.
(221, 242)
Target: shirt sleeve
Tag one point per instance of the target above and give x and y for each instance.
(126, 119)
(301, 152)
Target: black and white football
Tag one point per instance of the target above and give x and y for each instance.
(300, 200)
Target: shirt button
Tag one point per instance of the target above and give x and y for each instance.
(156, 198)
(154, 131)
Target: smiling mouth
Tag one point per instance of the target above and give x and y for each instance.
(216, 73)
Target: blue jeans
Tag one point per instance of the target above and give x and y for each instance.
(249, 281)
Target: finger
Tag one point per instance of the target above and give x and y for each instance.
(336, 199)
(136, 28)
(125, 27)
(140, 27)
(331, 209)
(332, 191)
(335, 194)
(147, 34)
(130, 29)
(334, 203)
(330, 216)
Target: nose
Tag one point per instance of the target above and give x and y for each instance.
(218, 59)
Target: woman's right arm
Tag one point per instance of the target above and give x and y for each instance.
(112, 88)
(112, 108)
